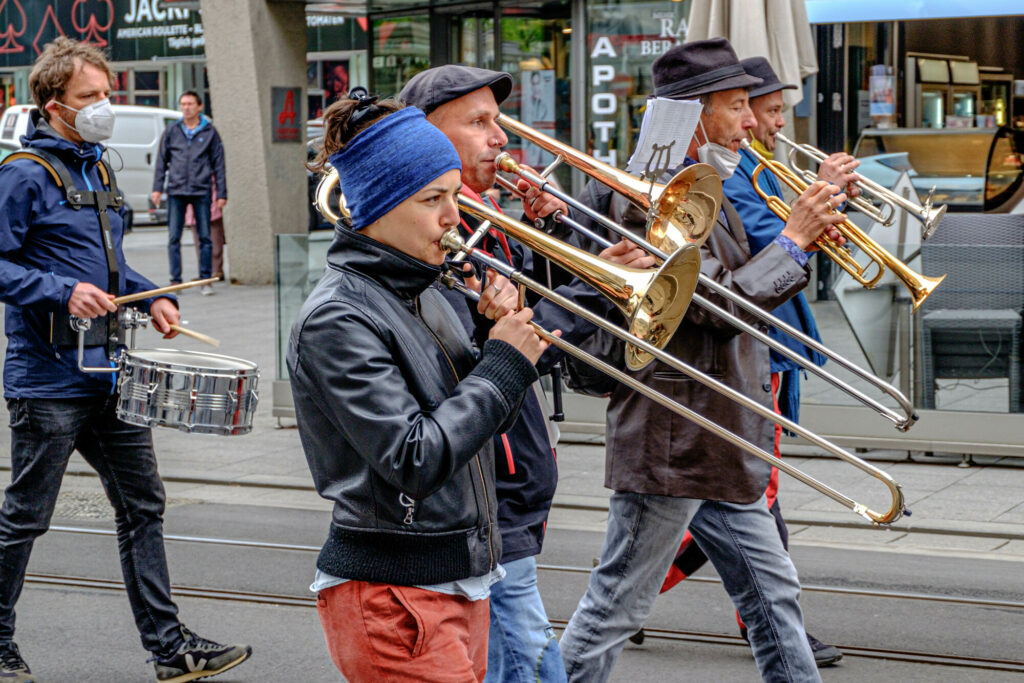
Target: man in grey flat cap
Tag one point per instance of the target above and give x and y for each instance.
(463, 102)
(667, 473)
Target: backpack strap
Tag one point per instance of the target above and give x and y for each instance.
(59, 172)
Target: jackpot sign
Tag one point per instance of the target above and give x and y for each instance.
(126, 29)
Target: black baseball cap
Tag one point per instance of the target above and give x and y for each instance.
(429, 89)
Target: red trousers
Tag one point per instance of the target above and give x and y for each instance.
(380, 632)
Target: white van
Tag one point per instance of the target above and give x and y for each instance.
(132, 150)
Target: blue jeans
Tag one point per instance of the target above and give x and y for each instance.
(643, 535)
(176, 223)
(44, 432)
(522, 646)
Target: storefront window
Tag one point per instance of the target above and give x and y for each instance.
(401, 50)
(536, 52)
(474, 41)
(623, 40)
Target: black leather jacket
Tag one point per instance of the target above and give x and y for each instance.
(396, 412)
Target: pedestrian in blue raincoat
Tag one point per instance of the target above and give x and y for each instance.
(189, 163)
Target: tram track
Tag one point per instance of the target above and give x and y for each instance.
(671, 635)
(574, 505)
(569, 569)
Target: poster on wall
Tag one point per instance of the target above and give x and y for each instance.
(335, 81)
(538, 110)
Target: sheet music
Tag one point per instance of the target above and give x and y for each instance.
(665, 135)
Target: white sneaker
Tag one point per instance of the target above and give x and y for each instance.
(206, 290)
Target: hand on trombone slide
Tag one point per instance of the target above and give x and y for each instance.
(500, 300)
(626, 253)
(538, 204)
(814, 213)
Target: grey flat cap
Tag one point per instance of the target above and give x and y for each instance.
(429, 89)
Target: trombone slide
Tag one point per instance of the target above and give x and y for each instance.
(453, 242)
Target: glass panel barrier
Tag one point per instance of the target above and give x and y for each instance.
(299, 261)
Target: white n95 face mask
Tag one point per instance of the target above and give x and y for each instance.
(720, 158)
(95, 123)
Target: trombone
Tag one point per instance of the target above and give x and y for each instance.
(538, 241)
(676, 210)
(653, 302)
(920, 286)
(549, 247)
(929, 215)
(598, 171)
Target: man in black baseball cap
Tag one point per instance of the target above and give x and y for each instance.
(669, 475)
(463, 102)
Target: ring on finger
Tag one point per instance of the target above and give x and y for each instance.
(497, 287)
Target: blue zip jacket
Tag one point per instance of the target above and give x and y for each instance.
(762, 226)
(185, 163)
(46, 249)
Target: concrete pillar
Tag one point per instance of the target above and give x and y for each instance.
(252, 46)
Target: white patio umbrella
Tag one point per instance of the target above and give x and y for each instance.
(775, 29)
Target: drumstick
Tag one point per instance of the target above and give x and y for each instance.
(195, 335)
(162, 290)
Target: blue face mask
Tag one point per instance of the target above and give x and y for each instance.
(720, 158)
(95, 123)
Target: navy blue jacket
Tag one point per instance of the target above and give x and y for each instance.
(186, 165)
(46, 248)
(763, 226)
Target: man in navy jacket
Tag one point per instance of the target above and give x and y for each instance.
(56, 259)
(190, 160)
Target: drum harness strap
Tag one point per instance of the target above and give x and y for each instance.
(106, 332)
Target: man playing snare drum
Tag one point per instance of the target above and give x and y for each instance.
(58, 259)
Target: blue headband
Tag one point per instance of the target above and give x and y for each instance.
(390, 161)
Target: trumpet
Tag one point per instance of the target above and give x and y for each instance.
(903, 421)
(920, 286)
(929, 215)
(539, 242)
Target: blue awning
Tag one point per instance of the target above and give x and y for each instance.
(844, 11)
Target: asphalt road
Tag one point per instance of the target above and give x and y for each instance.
(87, 635)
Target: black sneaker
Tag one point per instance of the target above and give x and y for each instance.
(198, 657)
(13, 668)
(824, 655)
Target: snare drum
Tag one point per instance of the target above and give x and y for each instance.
(192, 391)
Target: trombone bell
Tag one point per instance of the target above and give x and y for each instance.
(687, 207)
(652, 301)
(324, 189)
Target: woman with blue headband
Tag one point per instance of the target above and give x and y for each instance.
(396, 411)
